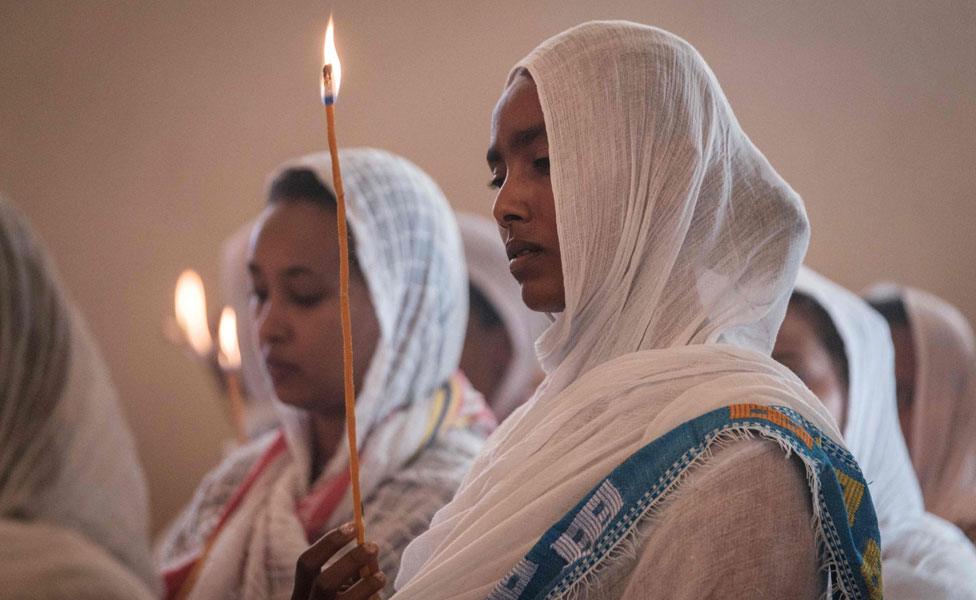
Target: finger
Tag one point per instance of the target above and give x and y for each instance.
(309, 564)
(346, 568)
(367, 588)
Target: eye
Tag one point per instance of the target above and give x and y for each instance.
(307, 301)
(496, 183)
(258, 295)
(542, 165)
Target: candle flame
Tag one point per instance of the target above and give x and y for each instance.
(330, 90)
(191, 312)
(229, 356)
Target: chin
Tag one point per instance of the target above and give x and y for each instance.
(545, 301)
(293, 400)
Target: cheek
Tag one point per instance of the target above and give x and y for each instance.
(322, 337)
(365, 330)
(555, 291)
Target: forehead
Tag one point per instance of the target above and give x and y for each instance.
(294, 232)
(517, 109)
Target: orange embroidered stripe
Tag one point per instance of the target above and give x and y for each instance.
(768, 413)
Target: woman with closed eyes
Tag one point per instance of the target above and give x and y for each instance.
(420, 423)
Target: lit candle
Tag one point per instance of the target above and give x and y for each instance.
(331, 78)
(229, 359)
(191, 312)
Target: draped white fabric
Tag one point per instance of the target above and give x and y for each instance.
(922, 553)
(67, 457)
(488, 272)
(679, 245)
(408, 249)
(943, 441)
(872, 431)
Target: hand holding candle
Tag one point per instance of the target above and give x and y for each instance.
(331, 78)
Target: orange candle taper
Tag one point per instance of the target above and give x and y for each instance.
(331, 75)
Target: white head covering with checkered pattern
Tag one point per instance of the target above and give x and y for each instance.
(408, 249)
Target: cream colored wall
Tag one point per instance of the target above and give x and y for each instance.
(136, 135)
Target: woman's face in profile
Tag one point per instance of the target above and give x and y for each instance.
(294, 266)
(799, 348)
(524, 208)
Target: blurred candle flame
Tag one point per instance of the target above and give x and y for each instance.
(191, 312)
(330, 57)
(229, 356)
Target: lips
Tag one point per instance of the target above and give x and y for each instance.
(518, 248)
(521, 255)
(280, 370)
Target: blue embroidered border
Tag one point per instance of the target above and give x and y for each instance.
(586, 535)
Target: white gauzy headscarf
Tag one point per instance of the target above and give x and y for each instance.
(67, 457)
(679, 244)
(942, 443)
(408, 248)
(488, 272)
(409, 251)
(922, 556)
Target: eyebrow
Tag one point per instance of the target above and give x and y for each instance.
(517, 140)
(294, 271)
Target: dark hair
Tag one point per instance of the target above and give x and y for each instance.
(299, 184)
(826, 332)
(892, 309)
(482, 309)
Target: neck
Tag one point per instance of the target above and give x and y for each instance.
(327, 431)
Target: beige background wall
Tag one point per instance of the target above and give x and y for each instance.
(136, 135)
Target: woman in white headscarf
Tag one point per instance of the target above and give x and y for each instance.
(420, 424)
(499, 348)
(935, 366)
(922, 555)
(73, 510)
(638, 213)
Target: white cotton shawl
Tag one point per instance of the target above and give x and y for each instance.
(922, 555)
(943, 439)
(680, 246)
(488, 272)
(67, 458)
(408, 249)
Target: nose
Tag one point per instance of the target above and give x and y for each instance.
(510, 204)
(271, 322)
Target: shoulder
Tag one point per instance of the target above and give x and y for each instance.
(743, 522)
(187, 532)
(40, 561)
(443, 464)
(402, 507)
